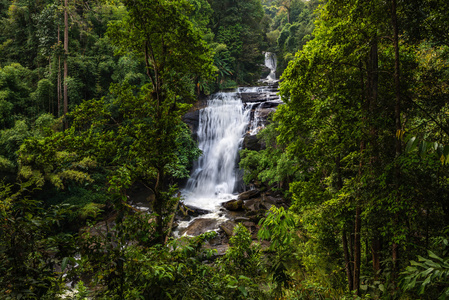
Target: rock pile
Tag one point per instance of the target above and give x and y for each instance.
(247, 209)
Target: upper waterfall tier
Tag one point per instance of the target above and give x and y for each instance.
(270, 63)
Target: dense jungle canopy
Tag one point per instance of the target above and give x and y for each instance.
(92, 95)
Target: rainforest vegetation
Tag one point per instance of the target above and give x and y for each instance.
(92, 94)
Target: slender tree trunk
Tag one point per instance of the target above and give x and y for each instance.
(159, 204)
(397, 112)
(66, 51)
(375, 250)
(357, 230)
(348, 263)
(59, 77)
(50, 103)
(358, 209)
(344, 238)
(373, 90)
(357, 246)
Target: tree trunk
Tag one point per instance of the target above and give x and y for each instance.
(59, 78)
(348, 263)
(374, 159)
(357, 250)
(66, 51)
(50, 102)
(375, 250)
(357, 230)
(397, 112)
(358, 209)
(344, 238)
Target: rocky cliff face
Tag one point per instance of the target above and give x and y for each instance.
(261, 101)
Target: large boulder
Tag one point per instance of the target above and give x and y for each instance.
(187, 212)
(192, 119)
(195, 211)
(252, 204)
(228, 227)
(200, 226)
(249, 194)
(233, 205)
(251, 142)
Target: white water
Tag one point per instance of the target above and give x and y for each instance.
(256, 122)
(222, 125)
(270, 62)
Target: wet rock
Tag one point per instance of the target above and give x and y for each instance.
(265, 205)
(264, 72)
(199, 226)
(233, 205)
(273, 200)
(252, 204)
(195, 211)
(228, 227)
(192, 119)
(251, 142)
(221, 250)
(242, 219)
(249, 194)
(249, 224)
(258, 97)
(270, 105)
(187, 212)
(216, 241)
(255, 216)
(263, 113)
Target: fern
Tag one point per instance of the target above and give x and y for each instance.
(428, 271)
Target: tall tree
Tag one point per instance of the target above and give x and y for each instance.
(66, 53)
(160, 33)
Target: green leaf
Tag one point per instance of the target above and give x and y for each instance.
(433, 255)
(243, 291)
(446, 150)
(411, 144)
(64, 263)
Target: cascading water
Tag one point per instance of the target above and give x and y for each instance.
(222, 125)
(270, 62)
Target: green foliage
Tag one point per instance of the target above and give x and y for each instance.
(186, 152)
(335, 134)
(182, 269)
(32, 245)
(91, 210)
(427, 273)
(238, 30)
(82, 291)
(11, 139)
(242, 257)
(279, 228)
(44, 159)
(272, 165)
(290, 26)
(14, 91)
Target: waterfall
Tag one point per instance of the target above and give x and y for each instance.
(222, 125)
(270, 62)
